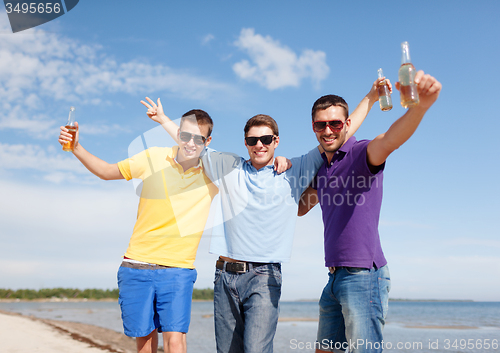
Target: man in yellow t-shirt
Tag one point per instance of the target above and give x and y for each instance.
(157, 274)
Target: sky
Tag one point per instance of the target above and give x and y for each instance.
(60, 226)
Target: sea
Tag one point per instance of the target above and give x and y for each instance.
(411, 326)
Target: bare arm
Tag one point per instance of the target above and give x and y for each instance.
(95, 165)
(359, 114)
(156, 113)
(308, 200)
(383, 145)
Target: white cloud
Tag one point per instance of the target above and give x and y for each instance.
(28, 156)
(274, 65)
(207, 39)
(39, 70)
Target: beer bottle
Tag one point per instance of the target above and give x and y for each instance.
(70, 145)
(384, 94)
(407, 72)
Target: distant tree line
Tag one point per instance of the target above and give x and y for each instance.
(73, 293)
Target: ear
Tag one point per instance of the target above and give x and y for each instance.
(276, 141)
(178, 134)
(208, 140)
(347, 124)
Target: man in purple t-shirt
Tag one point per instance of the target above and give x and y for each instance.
(348, 187)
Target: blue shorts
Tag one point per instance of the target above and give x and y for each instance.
(156, 298)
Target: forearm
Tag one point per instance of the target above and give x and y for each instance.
(170, 127)
(97, 166)
(359, 114)
(403, 128)
(308, 200)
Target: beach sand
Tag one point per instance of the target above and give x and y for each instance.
(23, 334)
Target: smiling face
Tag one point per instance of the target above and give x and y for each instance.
(260, 154)
(331, 140)
(189, 151)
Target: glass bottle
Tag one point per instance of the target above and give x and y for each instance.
(70, 145)
(406, 74)
(384, 94)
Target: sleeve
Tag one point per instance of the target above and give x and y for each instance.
(219, 164)
(138, 166)
(362, 165)
(304, 169)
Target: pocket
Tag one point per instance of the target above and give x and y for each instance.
(384, 287)
(271, 270)
(357, 270)
(217, 275)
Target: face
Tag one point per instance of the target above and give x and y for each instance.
(331, 140)
(260, 154)
(190, 150)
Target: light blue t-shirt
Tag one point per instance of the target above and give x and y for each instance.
(253, 216)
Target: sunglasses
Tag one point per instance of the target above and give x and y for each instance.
(266, 140)
(197, 139)
(335, 125)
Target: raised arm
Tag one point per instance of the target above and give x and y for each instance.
(308, 200)
(95, 165)
(359, 114)
(383, 145)
(156, 113)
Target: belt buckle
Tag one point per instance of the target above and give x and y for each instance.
(238, 267)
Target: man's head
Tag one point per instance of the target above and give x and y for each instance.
(330, 118)
(194, 134)
(261, 139)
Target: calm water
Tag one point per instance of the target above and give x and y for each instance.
(400, 333)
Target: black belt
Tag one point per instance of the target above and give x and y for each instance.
(139, 266)
(238, 266)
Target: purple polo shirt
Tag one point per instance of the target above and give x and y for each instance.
(350, 196)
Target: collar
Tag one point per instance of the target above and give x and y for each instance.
(249, 162)
(343, 150)
(172, 158)
(347, 146)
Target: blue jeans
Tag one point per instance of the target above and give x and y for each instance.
(353, 308)
(246, 309)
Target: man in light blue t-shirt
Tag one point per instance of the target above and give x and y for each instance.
(253, 219)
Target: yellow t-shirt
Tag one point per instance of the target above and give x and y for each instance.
(173, 207)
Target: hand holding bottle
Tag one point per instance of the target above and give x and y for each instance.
(384, 90)
(428, 89)
(69, 139)
(71, 129)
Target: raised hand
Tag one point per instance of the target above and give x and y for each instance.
(155, 111)
(428, 89)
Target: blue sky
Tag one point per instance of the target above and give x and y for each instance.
(61, 226)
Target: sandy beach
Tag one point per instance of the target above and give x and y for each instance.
(23, 334)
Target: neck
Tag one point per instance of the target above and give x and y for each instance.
(260, 166)
(187, 163)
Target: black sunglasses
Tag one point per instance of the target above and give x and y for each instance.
(335, 125)
(197, 139)
(266, 140)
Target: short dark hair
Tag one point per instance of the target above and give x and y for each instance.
(262, 120)
(328, 101)
(202, 118)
